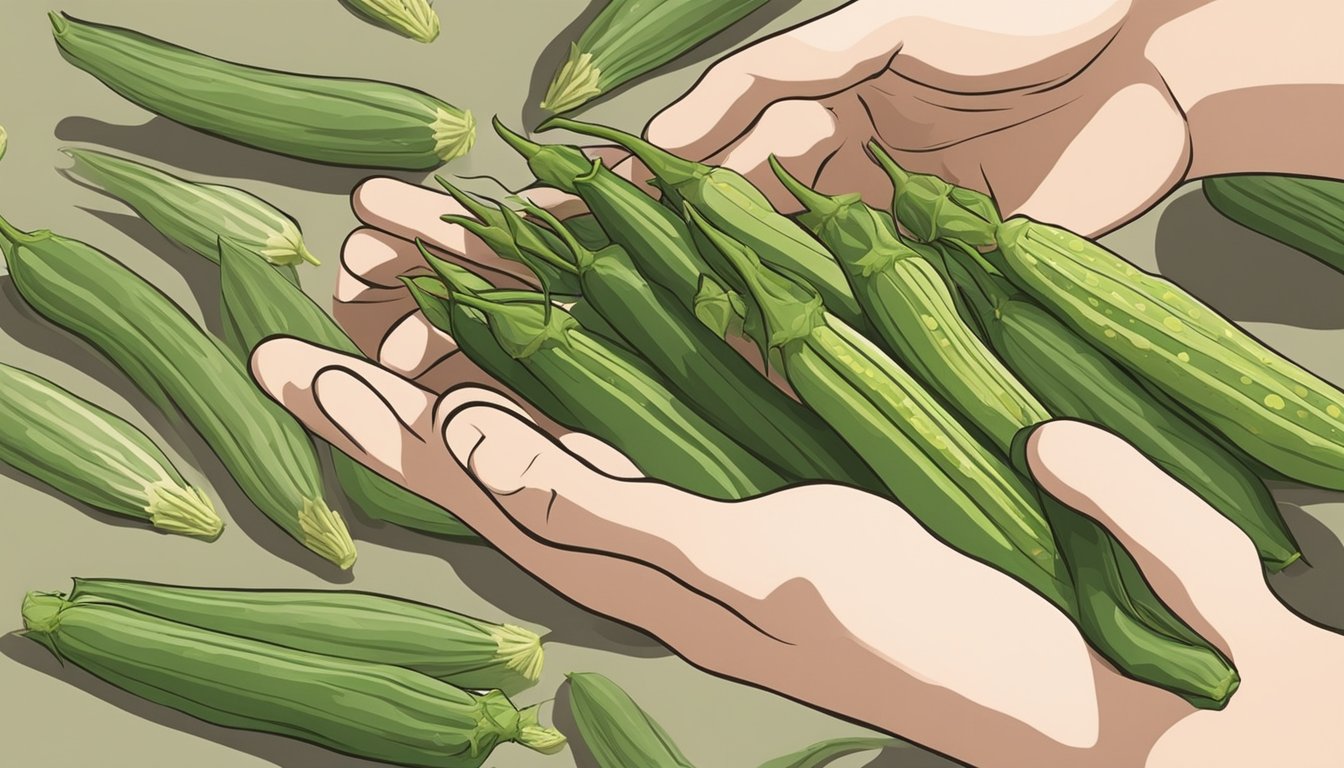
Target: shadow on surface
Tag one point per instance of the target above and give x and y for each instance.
(1312, 591)
(162, 141)
(277, 750)
(555, 53)
(1242, 274)
(26, 328)
(500, 582)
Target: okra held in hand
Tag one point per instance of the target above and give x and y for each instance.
(375, 711)
(257, 303)
(612, 394)
(195, 215)
(183, 371)
(457, 649)
(341, 121)
(733, 205)
(96, 457)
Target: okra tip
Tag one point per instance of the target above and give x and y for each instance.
(819, 205)
(59, 22)
(576, 82)
(183, 510)
(41, 613)
(520, 650)
(523, 145)
(4, 141)
(535, 736)
(664, 165)
(323, 531)
(454, 133)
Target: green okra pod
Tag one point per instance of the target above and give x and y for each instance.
(96, 457)
(415, 19)
(257, 303)
(733, 205)
(183, 371)
(341, 121)
(932, 209)
(632, 37)
(618, 732)
(360, 626)
(1302, 212)
(375, 711)
(196, 215)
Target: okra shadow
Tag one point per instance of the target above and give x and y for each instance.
(1243, 274)
(276, 750)
(1312, 591)
(164, 141)
(26, 328)
(508, 587)
(555, 53)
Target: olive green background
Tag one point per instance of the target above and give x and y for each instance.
(492, 57)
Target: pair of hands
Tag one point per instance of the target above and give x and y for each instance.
(1064, 110)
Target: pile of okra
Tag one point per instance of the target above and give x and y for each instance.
(729, 349)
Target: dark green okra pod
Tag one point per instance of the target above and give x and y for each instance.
(618, 732)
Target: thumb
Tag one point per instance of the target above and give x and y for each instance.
(1196, 560)
(813, 60)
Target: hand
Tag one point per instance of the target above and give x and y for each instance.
(859, 611)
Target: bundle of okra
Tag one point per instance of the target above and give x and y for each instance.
(918, 344)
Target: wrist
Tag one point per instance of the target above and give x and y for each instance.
(1259, 83)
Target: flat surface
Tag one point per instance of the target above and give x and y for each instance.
(488, 58)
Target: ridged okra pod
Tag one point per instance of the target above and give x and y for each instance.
(360, 626)
(616, 730)
(615, 396)
(96, 457)
(341, 121)
(632, 37)
(1305, 213)
(415, 19)
(195, 215)
(375, 711)
(1270, 407)
(711, 376)
(257, 303)
(733, 205)
(966, 494)
(1076, 380)
(183, 371)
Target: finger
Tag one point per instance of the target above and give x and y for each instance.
(802, 134)
(603, 457)
(1197, 561)
(413, 346)
(816, 59)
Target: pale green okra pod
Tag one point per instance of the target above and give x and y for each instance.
(96, 457)
(415, 19)
(195, 215)
(616, 730)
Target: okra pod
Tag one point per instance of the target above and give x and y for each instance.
(257, 303)
(632, 37)
(618, 732)
(823, 752)
(375, 711)
(711, 376)
(1270, 407)
(614, 395)
(196, 216)
(360, 626)
(340, 121)
(965, 494)
(932, 209)
(184, 372)
(415, 19)
(96, 457)
(1302, 212)
(1076, 380)
(733, 205)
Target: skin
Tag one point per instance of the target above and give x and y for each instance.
(1141, 96)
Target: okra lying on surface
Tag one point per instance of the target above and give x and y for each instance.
(96, 457)
(615, 729)
(257, 303)
(195, 215)
(632, 37)
(605, 390)
(457, 649)
(415, 19)
(733, 205)
(1305, 213)
(375, 711)
(184, 372)
(968, 496)
(342, 121)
